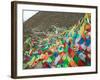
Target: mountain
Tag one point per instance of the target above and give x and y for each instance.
(43, 20)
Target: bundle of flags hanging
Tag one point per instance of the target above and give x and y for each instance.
(72, 48)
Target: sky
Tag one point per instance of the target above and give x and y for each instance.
(28, 14)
